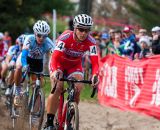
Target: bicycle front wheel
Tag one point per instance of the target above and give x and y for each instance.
(72, 117)
(37, 108)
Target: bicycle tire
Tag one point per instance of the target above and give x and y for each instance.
(20, 120)
(72, 117)
(17, 115)
(12, 114)
(36, 117)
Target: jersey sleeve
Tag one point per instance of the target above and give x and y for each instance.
(55, 58)
(94, 59)
(50, 46)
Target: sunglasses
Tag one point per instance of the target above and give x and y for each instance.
(83, 30)
(41, 36)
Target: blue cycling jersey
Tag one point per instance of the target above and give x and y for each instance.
(20, 39)
(14, 51)
(34, 50)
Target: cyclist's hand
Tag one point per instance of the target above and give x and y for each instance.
(25, 68)
(95, 80)
(57, 74)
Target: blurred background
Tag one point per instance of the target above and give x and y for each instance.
(18, 16)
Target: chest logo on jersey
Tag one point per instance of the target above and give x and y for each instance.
(37, 52)
(73, 53)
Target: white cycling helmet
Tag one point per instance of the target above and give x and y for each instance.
(83, 20)
(41, 27)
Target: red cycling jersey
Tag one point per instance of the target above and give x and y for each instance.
(68, 53)
(3, 48)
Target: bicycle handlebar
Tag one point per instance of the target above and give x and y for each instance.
(94, 90)
(39, 73)
(76, 81)
(36, 73)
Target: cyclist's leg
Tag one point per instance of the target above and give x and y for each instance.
(79, 86)
(10, 78)
(17, 81)
(53, 102)
(72, 116)
(36, 65)
(77, 73)
(18, 72)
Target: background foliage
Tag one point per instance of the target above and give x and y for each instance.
(18, 16)
(145, 12)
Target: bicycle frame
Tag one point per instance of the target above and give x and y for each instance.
(37, 86)
(36, 91)
(62, 109)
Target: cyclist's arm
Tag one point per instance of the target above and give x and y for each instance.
(25, 52)
(56, 56)
(50, 47)
(9, 54)
(94, 59)
(8, 59)
(24, 57)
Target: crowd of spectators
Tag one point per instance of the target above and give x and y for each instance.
(127, 43)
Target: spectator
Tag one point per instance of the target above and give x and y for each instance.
(156, 40)
(111, 34)
(155, 31)
(142, 32)
(103, 44)
(115, 46)
(130, 47)
(7, 38)
(118, 33)
(145, 45)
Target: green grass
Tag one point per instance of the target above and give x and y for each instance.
(85, 94)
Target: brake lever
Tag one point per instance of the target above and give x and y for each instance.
(94, 92)
(95, 87)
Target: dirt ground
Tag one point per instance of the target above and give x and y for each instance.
(96, 117)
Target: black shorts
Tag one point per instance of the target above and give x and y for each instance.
(35, 65)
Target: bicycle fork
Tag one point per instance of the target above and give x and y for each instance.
(61, 113)
(32, 101)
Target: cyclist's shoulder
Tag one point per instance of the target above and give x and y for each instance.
(48, 44)
(67, 34)
(12, 47)
(91, 40)
(48, 41)
(29, 39)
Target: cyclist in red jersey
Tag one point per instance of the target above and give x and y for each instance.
(3, 52)
(67, 60)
